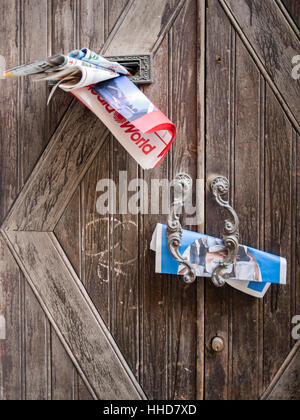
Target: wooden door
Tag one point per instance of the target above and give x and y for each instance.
(85, 315)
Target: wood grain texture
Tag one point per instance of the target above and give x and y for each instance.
(293, 6)
(66, 383)
(63, 33)
(183, 47)
(95, 241)
(218, 152)
(152, 318)
(73, 316)
(285, 386)
(90, 26)
(278, 233)
(247, 140)
(56, 176)
(201, 167)
(124, 232)
(156, 18)
(32, 141)
(254, 143)
(114, 9)
(155, 333)
(68, 231)
(8, 113)
(10, 282)
(11, 376)
(296, 260)
(109, 264)
(91, 20)
(125, 307)
(63, 384)
(262, 24)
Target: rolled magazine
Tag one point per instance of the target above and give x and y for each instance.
(103, 86)
(253, 272)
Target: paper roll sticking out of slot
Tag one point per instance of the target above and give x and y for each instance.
(89, 56)
(89, 76)
(102, 86)
(77, 77)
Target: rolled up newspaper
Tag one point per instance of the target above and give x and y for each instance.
(103, 86)
(144, 131)
(89, 56)
(253, 272)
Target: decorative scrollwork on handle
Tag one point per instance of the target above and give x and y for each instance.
(219, 186)
(182, 187)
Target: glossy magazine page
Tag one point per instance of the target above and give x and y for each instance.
(253, 272)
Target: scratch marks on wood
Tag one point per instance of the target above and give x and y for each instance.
(102, 255)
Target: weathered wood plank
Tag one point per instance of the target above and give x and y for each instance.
(33, 96)
(64, 375)
(293, 6)
(96, 242)
(113, 9)
(58, 173)
(261, 25)
(201, 166)
(36, 349)
(73, 316)
(68, 231)
(124, 240)
(92, 22)
(8, 111)
(285, 386)
(63, 33)
(218, 144)
(297, 231)
(49, 177)
(62, 372)
(155, 316)
(32, 141)
(93, 31)
(124, 262)
(66, 132)
(182, 299)
(155, 18)
(11, 282)
(247, 163)
(278, 233)
(73, 24)
(11, 346)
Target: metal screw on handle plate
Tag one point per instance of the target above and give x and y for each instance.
(219, 186)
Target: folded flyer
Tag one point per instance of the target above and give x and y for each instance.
(253, 273)
(104, 87)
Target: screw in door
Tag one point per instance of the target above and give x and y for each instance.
(218, 344)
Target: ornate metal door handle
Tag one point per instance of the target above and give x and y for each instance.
(182, 187)
(219, 186)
